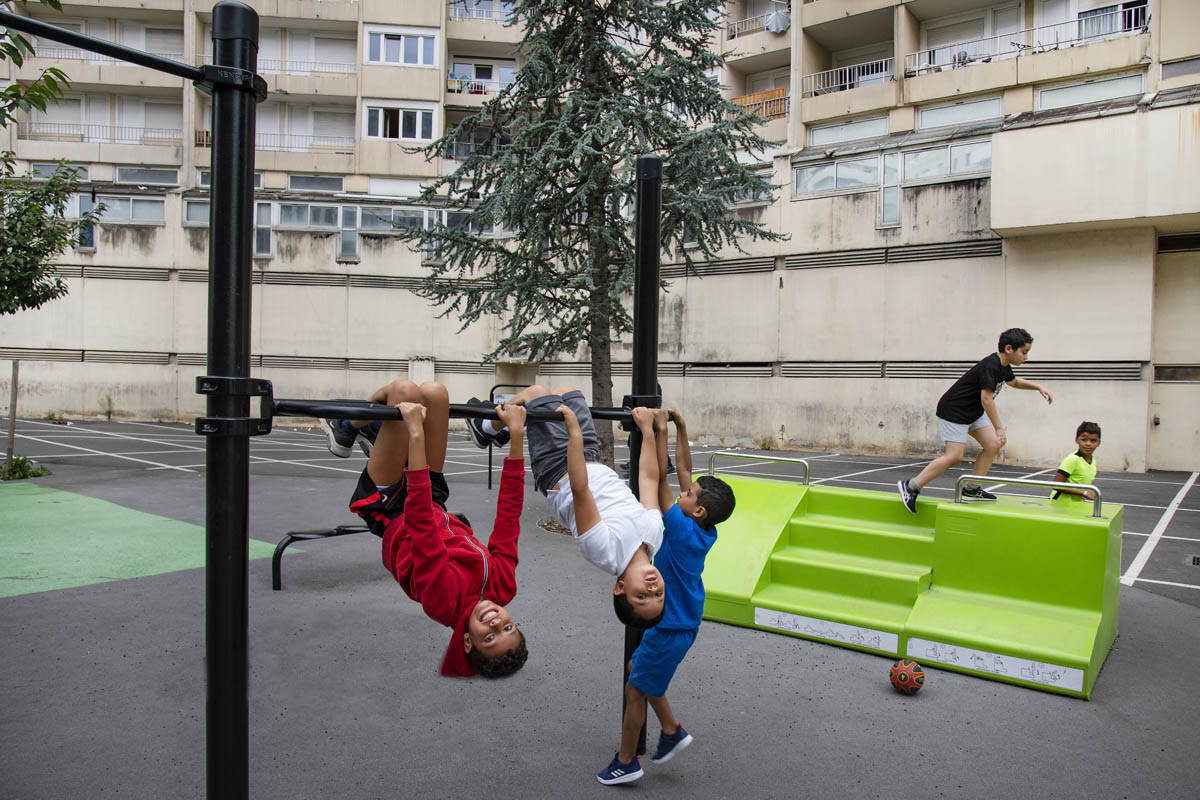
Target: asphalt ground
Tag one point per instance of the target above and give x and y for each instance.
(102, 680)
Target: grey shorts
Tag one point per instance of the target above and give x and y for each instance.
(958, 431)
(548, 440)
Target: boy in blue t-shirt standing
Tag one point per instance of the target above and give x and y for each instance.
(690, 529)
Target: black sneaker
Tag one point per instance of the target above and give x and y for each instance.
(341, 437)
(479, 436)
(366, 438)
(977, 493)
(908, 495)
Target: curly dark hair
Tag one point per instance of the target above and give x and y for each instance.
(626, 614)
(500, 666)
(716, 498)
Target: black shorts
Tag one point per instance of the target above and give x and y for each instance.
(379, 506)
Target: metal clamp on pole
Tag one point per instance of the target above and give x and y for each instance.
(222, 386)
(631, 401)
(712, 461)
(1056, 486)
(213, 75)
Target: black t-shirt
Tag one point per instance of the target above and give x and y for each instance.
(961, 401)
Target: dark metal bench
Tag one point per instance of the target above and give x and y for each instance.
(296, 536)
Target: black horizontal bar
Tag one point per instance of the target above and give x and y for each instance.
(53, 32)
(358, 409)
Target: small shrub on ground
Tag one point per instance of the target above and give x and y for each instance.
(22, 468)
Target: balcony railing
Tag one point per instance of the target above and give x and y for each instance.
(460, 150)
(1086, 29)
(292, 67)
(756, 23)
(288, 142)
(76, 132)
(771, 104)
(843, 78)
(501, 12)
(472, 86)
(59, 52)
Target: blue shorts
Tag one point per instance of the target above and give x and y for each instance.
(657, 658)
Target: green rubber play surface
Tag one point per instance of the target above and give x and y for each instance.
(1019, 590)
(50, 539)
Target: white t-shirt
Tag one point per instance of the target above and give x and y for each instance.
(624, 523)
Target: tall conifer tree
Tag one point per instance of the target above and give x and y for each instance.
(603, 81)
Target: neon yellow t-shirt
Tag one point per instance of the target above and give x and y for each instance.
(1077, 470)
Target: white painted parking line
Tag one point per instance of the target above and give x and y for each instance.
(1172, 538)
(153, 464)
(868, 471)
(1139, 561)
(1018, 478)
(1166, 583)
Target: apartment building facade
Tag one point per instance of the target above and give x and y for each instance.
(946, 169)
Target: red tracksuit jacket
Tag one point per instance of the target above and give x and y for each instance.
(441, 564)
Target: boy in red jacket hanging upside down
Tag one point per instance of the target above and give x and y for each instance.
(433, 554)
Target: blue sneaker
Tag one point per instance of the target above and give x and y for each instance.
(616, 772)
(669, 744)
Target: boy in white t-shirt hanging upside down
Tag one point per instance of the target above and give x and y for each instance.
(615, 531)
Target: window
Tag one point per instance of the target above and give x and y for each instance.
(150, 175)
(1116, 18)
(316, 183)
(758, 195)
(205, 179)
(848, 174)
(87, 233)
(376, 219)
(303, 215)
(409, 47)
(133, 209)
(956, 113)
(348, 245)
(947, 161)
(42, 172)
(262, 230)
(480, 77)
(396, 122)
(847, 131)
(889, 191)
(1092, 91)
(195, 212)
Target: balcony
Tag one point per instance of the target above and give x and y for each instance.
(852, 77)
(779, 20)
(290, 142)
(486, 11)
(290, 67)
(1085, 30)
(471, 86)
(457, 151)
(76, 132)
(771, 104)
(60, 52)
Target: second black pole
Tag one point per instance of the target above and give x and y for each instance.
(645, 341)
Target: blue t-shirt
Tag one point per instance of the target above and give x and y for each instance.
(681, 560)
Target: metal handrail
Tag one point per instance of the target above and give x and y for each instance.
(1031, 40)
(1053, 485)
(712, 460)
(842, 78)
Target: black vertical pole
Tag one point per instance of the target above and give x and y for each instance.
(645, 339)
(227, 461)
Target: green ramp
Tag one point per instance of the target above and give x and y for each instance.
(51, 539)
(1019, 590)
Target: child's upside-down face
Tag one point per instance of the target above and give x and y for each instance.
(490, 629)
(643, 588)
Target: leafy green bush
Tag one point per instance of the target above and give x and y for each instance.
(22, 468)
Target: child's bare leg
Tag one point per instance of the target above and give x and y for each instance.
(953, 455)
(662, 710)
(632, 722)
(390, 453)
(528, 393)
(990, 442)
(436, 400)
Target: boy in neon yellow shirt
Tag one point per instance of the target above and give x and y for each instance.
(1080, 466)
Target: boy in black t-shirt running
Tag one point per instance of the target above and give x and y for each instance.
(969, 407)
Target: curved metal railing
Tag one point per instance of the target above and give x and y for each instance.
(712, 460)
(1052, 485)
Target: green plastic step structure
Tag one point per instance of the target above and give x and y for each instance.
(1018, 590)
(1024, 591)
